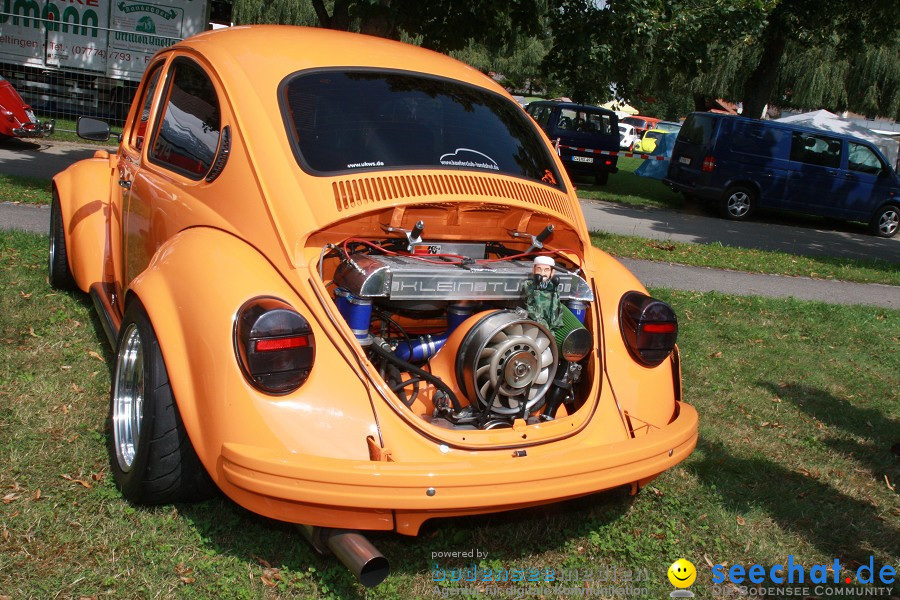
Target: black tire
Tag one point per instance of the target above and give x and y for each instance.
(58, 271)
(601, 178)
(155, 464)
(738, 202)
(886, 221)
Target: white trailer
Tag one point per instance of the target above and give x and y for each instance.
(86, 56)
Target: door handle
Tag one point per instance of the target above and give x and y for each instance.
(125, 184)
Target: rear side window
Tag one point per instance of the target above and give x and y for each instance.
(863, 160)
(757, 139)
(584, 121)
(815, 149)
(188, 135)
(697, 129)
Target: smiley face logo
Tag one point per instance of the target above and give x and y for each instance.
(682, 573)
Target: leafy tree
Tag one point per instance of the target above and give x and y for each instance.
(442, 25)
(520, 63)
(797, 53)
(802, 31)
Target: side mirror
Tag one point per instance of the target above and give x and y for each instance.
(92, 129)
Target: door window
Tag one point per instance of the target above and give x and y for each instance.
(863, 160)
(190, 125)
(815, 149)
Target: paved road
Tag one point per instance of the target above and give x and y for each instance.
(845, 240)
(42, 159)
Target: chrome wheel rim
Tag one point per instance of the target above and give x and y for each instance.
(889, 222)
(739, 204)
(54, 217)
(128, 398)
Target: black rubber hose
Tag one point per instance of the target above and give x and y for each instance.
(390, 356)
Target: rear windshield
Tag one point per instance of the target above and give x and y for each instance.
(368, 120)
(635, 122)
(585, 121)
(697, 129)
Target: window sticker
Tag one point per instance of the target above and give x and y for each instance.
(360, 165)
(466, 157)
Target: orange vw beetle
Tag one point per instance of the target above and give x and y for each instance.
(348, 282)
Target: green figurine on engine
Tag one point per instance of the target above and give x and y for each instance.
(541, 295)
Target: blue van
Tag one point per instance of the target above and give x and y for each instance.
(587, 137)
(742, 164)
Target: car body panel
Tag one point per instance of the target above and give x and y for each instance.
(16, 117)
(641, 123)
(83, 192)
(628, 136)
(346, 448)
(648, 140)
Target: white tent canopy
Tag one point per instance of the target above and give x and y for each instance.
(822, 119)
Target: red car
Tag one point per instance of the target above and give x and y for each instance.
(16, 117)
(641, 123)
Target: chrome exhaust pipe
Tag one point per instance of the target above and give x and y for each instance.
(352, 548)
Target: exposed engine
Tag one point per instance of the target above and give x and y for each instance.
(469, 335)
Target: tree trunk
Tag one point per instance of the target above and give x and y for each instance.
(338, 19)
(760, 85)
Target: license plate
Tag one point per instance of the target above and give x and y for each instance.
(586, 159)
(30, 116)
(685, 160)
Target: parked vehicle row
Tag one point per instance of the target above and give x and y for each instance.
(741, 165)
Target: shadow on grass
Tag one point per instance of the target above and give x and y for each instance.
(838, 525)
(508, 537)
(879, 432)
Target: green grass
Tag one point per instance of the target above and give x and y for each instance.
(64, 131)
(749, 259)
(625, 187)
(798, 404)
(27, 190)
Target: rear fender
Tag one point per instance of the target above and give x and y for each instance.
(647, 394)
(192, 291)
(83, 190)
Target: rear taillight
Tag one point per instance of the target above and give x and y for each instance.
(709, 163)
(274, 344)
(649, 328)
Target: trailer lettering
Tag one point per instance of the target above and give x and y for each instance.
(31, 15)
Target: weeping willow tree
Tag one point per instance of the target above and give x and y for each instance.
(519, 63)
(286, 12)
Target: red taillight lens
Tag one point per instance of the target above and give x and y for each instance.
(274, 344)
(709, 163)
(649, 328)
